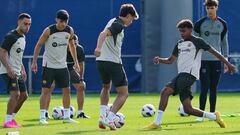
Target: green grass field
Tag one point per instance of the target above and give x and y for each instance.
(172, 122)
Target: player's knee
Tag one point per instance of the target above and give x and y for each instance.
(15, 94)
(165, 92)
(106, 87)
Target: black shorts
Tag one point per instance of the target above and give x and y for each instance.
(74, 77)
(182, 85)
(110, 71)
(60, 76)
(14, 84)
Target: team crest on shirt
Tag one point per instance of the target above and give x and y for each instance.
(189, 45)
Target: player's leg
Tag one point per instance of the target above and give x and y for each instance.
(12, 87)
(80, 88)
(184, 83)
(119, 79)
(214, 79)
(23, 95)
(47, 80)
(49, 99)
(205, 84)
(199, 113)
(62, 79)
(105, 91)
(165, 93)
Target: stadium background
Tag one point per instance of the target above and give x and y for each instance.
(153, 34)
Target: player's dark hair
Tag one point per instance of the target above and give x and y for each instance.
(185, 23)
(210, 3)
(62, 14)
(128, 9)
(24, 15)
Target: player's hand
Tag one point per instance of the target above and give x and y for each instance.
(225, 68)
(82, 85)
(34, 67)
(156, 60)
(231, 68)
(97, 52)
(76, 68)
(11, 72)
(24, 75)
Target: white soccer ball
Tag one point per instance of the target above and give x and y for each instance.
(72, 112)
(57, 113)
(181, 111)
(120, 120)
(148, 110)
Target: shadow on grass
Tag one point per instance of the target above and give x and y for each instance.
(230, 132)
(78, 132)
(180, 123)
(32, 120)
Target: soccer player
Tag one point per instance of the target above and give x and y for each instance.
(214, 30)
(57, 38)
(109, 64)
(12, 69)
(76, 79)
(188, 52)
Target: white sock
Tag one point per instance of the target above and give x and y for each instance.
(158, 119)
(8, 118)
(80, 111)
(111, 115)
(14, 115)
(66, 113)
(42, 113)
(209, 115)
(103, 110)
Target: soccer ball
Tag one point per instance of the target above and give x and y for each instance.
(181, 111)
(72, 112)
(120, 120)
(148, 110)
(57, 113)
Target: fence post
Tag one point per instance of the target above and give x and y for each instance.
(29, 76)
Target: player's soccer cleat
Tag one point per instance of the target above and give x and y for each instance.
(14, 122)
(43, 122)
(9, 124)
(153, 126)
(101, 122)
(219, 120)
(69, 120)
(82, 115)
(200, 119)
(111, 124)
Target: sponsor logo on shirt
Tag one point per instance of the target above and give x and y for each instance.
(207, 33)
(184, 50)
(55, 44)
(19, 50)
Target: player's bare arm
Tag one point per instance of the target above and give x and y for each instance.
(73, 51)
(4, 59)
(101, 38)
(23, 73)
(43, 38)
(169, 60)
(81, 73)
(231, 68)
